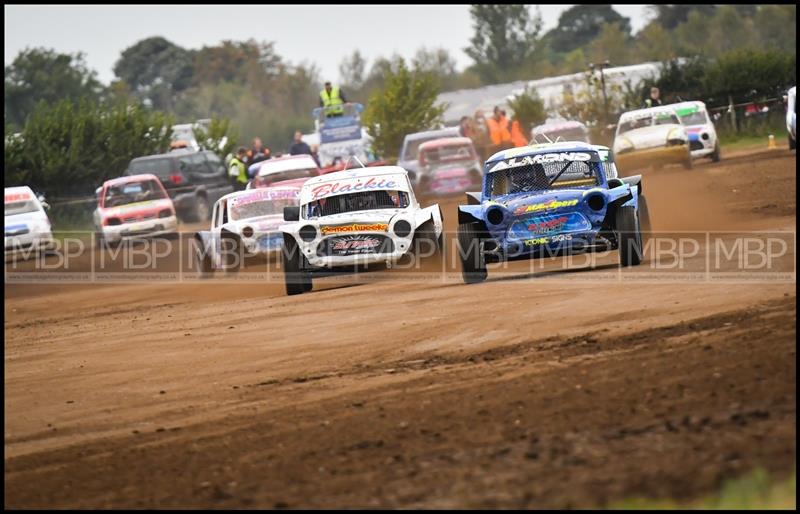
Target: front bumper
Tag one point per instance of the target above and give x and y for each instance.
(400, 247)
(637, 159)
(147, 228)
(34, 241)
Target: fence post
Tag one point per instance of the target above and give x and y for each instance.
(733, 114)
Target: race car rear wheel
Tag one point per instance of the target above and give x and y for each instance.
(629, 236)
(792, 143)
(473, 262)
(297, 279)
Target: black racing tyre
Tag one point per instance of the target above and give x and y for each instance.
(629, 236)
(645, 228)
(792, 143)
(473, 262)
(200, 211)
(205, 268)
(297, 279)
(426, 245)
(232, 251)
(715, 157)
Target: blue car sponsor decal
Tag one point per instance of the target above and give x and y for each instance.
(12, 230)
(270, 241)
(549, 224)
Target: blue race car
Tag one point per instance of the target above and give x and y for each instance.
(551, 199)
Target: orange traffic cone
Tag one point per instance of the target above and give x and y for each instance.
(772, 145)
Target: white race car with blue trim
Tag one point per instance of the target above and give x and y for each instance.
(703, 141)
(243, 224)
(356, 217)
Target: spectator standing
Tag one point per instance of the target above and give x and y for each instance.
(654, 99)
(299, 147)
(257, 152)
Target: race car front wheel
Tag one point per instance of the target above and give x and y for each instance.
(473, 262)
(297, 279)
(629, 236)
(715, 156)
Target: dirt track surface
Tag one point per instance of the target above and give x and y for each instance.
(550, 385)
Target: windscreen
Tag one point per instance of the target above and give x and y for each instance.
(694, 118)
(21, 207)
(542, 177)
(573, 134)
(133, 192)
(648, 120)
(265, 207)
(159, 167)
(352, 202)
(280, 176)
(412, 149)
(444, 154)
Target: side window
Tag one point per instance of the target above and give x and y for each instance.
(215, 163)
(198, 163)
(185, 164)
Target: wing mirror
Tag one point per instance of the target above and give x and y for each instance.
(291, 214)
(45, 205)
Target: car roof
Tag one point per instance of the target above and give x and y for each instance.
(445, 141)
(246, 192)
(18, 189)
(564, 146)
(428, 133)
(649, 111)
(285, 163)
(558, 125)
(129, 178)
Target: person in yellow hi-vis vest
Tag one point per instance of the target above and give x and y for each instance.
(238, 171)
(332, 98)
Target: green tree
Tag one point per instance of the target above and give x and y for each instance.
(748, 74)
(729, 30)
(70, 148)
(156, 70)
(654, 43)
(670, 16)
(41, 74)
(406, 104)
(776, 27)
(612, 44)
(505, 40)
(218, 137)
(574, 61)
(440, 63)
(580, 24)
(352, 70)
(692, 35)
(528, 109)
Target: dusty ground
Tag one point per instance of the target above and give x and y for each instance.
(553, 384)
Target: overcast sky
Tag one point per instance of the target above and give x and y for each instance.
(321, 34)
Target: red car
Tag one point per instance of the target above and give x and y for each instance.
(133, 206)
(449, 166)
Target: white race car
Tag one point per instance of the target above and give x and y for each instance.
(243, 224)
(651, 137)
(356, 217)
(703, 140)
(27, 225)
